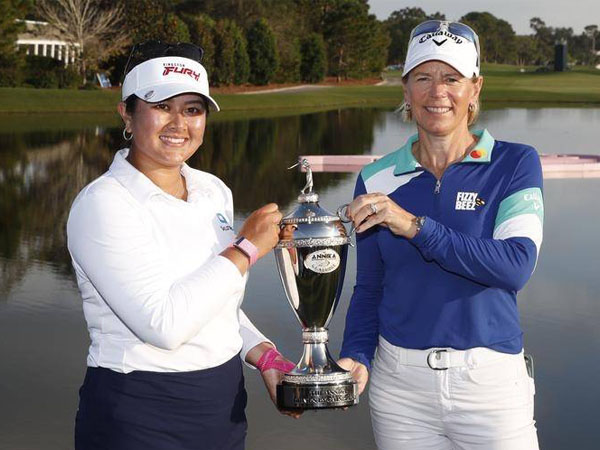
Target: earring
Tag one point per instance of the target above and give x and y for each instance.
(125, 136)
(407, 107)
(471, 107)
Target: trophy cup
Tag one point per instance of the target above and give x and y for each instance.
(311, 260)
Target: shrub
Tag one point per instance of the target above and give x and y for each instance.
(46, 72)
(11, 75)
(224, 62)
(202, 33)
(241, 60)
(262, 52)
(42, 71)
(313, 65)
(69, 77)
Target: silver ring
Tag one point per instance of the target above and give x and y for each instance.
(373, 208)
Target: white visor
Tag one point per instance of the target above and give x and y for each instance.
(443, 46)
(161, 78)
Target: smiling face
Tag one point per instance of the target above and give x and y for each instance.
(439, 97)
(166, 133)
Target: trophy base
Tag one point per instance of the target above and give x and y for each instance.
(317, 396)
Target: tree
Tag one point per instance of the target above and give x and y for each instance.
(525, 50)
(371, 54)
(224, 61)
(544, 40)
(313, 65)
(288, 27)
(310, 14)
(241, 60)
(95, 32)
(155, 20)
(288, 19)
(579, 46)
(202, 33)
(399, 25)
(496, 36)
(262, 52)
(357, 44)
(341, 31)
(11, 60)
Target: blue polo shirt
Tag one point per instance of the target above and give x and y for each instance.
(454, 284)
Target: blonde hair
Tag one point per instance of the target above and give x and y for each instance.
(472, 115)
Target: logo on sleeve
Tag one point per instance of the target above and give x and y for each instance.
(225, 225)
(468, 201)
(534, 199)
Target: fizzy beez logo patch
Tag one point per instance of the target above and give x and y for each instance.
(468, 201)
(181, 69)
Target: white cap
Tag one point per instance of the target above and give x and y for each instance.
(160, 78)
(443, 46)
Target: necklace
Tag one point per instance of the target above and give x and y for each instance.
(181, 192)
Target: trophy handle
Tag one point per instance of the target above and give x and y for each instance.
(341, 212)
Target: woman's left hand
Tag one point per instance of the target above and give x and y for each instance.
(368, 210)
(271, 378)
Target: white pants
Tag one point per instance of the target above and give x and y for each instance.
(483, 400)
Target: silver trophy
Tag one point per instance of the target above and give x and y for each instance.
(311, 260)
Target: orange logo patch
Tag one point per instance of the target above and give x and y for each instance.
(476, 154)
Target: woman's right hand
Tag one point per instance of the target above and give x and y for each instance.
(262, 228)
(358, 371)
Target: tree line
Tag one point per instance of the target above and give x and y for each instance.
(258, 41)
(498, 41)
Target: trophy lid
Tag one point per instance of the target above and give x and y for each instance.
(309, 224)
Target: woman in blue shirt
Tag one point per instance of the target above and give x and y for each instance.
(449, 229)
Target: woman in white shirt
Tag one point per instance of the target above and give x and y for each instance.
(162, 275)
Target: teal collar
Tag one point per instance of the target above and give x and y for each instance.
(482, 153)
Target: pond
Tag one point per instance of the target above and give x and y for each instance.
(45, 161)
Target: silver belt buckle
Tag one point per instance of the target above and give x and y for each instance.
(437, 355)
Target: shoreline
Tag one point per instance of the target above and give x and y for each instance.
(503, 86)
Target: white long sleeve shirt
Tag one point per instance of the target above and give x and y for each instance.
(156, 294)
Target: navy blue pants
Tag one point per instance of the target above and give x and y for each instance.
(196, 410)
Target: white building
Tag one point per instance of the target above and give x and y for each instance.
(40, 38)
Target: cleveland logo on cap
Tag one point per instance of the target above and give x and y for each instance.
(180, 68)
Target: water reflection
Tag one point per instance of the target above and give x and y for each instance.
(45, 161)
(549, 130)
(41, 172)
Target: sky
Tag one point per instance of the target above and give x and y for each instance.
(556, 13)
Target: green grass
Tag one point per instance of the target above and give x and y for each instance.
(57, 100)
(507, 84)
(503, 85)
(581, 85)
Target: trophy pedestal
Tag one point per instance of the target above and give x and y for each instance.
(317, 395)
(317, 382)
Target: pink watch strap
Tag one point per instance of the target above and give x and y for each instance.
(248, 248)
(268, 360)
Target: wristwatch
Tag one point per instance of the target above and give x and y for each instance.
(419, 222)
(247, 248)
